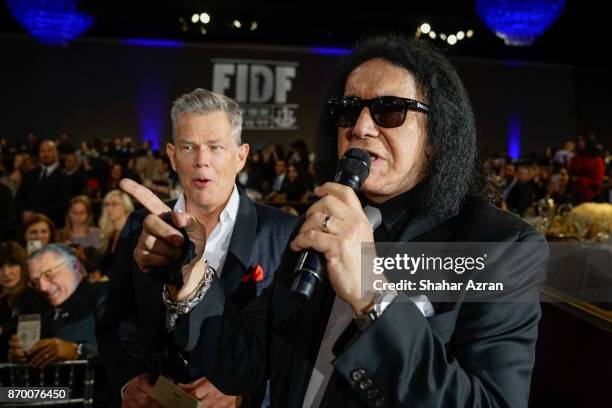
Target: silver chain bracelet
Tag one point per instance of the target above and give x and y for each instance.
(181, 307)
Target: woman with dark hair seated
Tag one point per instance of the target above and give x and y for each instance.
(16, 298)
(294, 186)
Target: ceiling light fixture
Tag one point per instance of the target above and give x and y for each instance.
(205, 18)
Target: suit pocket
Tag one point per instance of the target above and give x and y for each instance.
(443, 324)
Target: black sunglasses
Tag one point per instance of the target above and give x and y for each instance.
(386, 111)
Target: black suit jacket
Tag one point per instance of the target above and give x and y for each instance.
(259, 237)
(49, 196)
(76, 319)
(468, 354)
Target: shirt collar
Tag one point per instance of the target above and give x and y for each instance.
(229, 212)
(395, 212)
(49, 169)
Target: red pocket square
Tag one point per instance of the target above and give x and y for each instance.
(256, 274)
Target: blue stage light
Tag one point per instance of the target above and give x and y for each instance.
(514, 136)
(519, 22)
(330, 51)
(51, 22)
(152, 42)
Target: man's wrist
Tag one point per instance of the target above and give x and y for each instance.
(177, 307)
(381, 303)
(78, 351)
(193, 279)
(363, 304)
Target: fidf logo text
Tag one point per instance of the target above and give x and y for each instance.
(253, 81)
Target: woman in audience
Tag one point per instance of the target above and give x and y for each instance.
(80, 230)
(294, 187)
(114, 176)
(160, 182)
(19, 164)
(559, 188)
(115, 210)
(36, 232)
(16, 297)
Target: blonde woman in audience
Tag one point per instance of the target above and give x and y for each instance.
(116, 207)
(80, 229)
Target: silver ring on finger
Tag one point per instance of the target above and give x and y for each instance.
(325, 224)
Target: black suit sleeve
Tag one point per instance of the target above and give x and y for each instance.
(56, 207)
(120, 365)
(484, 358)
(99, 293)
(225, 343)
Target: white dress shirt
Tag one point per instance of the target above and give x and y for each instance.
(217, 242)
(278, 182)
(46, 171)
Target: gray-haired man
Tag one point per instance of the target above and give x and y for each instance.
(76, 306)
(242, 241)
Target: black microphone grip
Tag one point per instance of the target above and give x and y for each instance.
(309, 270)
(353, 169)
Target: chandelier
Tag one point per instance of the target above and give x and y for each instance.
(51, 22)
(519, 22)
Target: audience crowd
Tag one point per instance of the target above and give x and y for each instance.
(61, 215)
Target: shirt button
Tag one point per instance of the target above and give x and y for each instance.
(366, 384)
(358, 375)
(373, 394)
(380, 403)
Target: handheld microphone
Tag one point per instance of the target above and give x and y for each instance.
(353, 168)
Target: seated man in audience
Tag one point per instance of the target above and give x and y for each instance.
(279, 180)
(68, 332)
(522, 194)
(75, 175)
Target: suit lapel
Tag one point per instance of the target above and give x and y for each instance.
(241, 245)
(423, 228)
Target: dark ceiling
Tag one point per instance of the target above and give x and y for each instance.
(579, 37)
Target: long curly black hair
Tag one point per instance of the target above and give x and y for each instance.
(452, 167)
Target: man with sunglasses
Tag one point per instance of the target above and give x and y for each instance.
(403, 103)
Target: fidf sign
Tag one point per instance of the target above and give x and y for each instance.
(261, 89)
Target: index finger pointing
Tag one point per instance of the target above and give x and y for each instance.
(144, 196)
